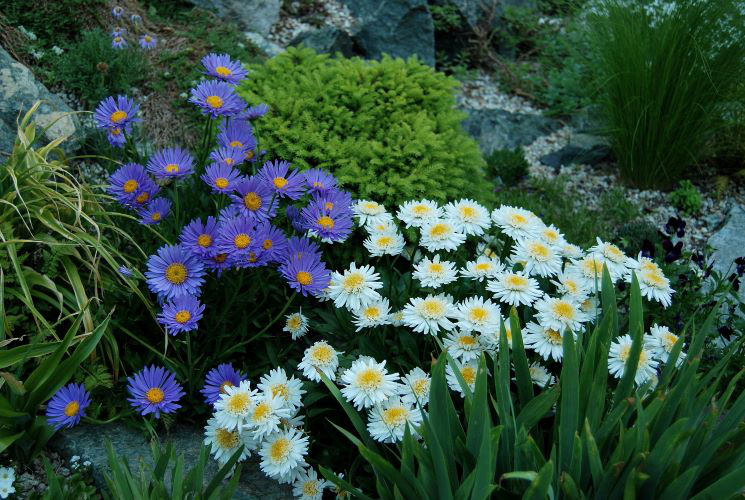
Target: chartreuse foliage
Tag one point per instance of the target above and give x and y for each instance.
(582, 437)
(387, 130)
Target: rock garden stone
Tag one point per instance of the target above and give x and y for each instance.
(728, 243)
(500, 129)
(89, 443)
(582, 148)
(19, 90)
(252, 15)
(326, 40)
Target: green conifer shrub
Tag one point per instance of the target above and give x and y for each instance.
(387, 130)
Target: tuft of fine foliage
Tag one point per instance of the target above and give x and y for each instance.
(387, 130)
(509, 165)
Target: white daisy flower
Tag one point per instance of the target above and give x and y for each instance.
(369, 212)
(441, 234)
(282, 453)
(276, 383)
(470, 217)
(514, 288)
(6, 489)
(430, 314)
(552, 236)
(397, 318)
(463, 345)
(414, 387)
(571, 251)
(482, 248)
(379, 244)
(419, 213)
(516, 222)
(374, 314)
(613, 257)
(367, 383)
(267, 414)
(340, 493)
(655, 286)
(296, 324)
(571, 288)
(355, 288)
(224, 442)
(587, 270)
(559, 314)
(384, 226)
(536, 257)
(235, 405)
(8, 475)
(387, 422)
(591, 307)
(640, 264)
(545, 341)
(478, 314)
(434, 273)
(662, 343)
(483, 267)
(308, 486)
(490, 338)
(619, 355)
(322, 357)
(540, 375)
(467, 370)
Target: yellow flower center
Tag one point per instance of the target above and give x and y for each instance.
(553, 337)
(214, 101)
(176, 273)
(482, 267)
(204, 240)
(655, 278)
(252, 201)
(395, 417)
(668, 340)
(436, 268)
(310, 488)
(540, 251)
(550, 235)
(221, 182)
(421, 210)
(371, 206)
(267, 244)
(466, 341)
(593, 267)
(226, 439)
(420, 387)
(514, 281)
(118, 39)
(439, 230)
(72, 408)
(147, 39)
(322, 354)
(564, 309)
(469, 374)
(238, 403)
(518, 220)
(372, 312)
(614, 253)
(433, 308)
(280, 449)
(229, 161)
(353, 282)
(369, 379)
(326, 222)
(156, 216)
(384, 241)
(221, 257)
(468, 212)
(118, 116)
(236, 144)
(130, 186)
(183, 316)
(571, 286)
(223, 71)
(154, 395)
(294, 322)
(224, 385)
(116, 131)
(172, 168)
(143, 198)
(249, 154)
(241, 241)
(304, 278)
(279, 182)
(479, 314)
(261, 412)
(281, 390)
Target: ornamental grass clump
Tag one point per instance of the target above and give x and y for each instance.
(667, 73)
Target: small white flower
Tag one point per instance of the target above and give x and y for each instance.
(320, 356)
(467, 370)
(224, 442)
(374, 314)
(308, 486)
(379, 244)
(559, 314)
(355, 288)
(571, 251)
(369, 212)
(540, 376)
(655, 286)
(589, 271)
(614, 258)
(8, 475)
(545, 341)
(6, 490)
(517, 222)
(639, 265)
(552, 236)
(57, 50)
(367, 383)
(662, 343)
(464, 346)
(276, 383)
(419, 213)
(591, 307)
(267, 414)
(618, 356)
(571, 288)
(414, 387)
(514, 288)
(387, 422)
(283, 453)
(430, 314)
(235, 405)
(479, 315)
(470, 217)
(385, 226)
(490, 338)
(296, 324)
(434, 273)
(483, 267)
(441, 234)
(536, 257)
(397, 318)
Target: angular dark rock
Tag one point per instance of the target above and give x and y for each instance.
(500, 129)
(728, 243)
(326, 40)
(582, 148)
(251, 15)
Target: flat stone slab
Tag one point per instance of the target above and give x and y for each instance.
(728, 243)
(89, 443)
(500, 129)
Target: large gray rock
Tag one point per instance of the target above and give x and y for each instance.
(89, 443)
(584, 149)
(19, 90)
(265, 45)
(728, 243)
(500, 129)
(326, 40)
(400, 28)
(251, 15)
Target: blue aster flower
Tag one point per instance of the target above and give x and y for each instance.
(254, 112)
(218, 379)
(67, 406)
(328, 219)
(293, 215)
(148, 41)
(319, 181)
(174, 271)
(228, 155)
(181, 314)
(228, 213)
(118, 42)
(223, 68)
(333, 198)
(170, 163)
(221, 178)
(116, 137)
(237, 237)
(116, 113)
(117, 12)
(254, 199)
(216, 99)
(155, 211)
(306, 274)
(154, 390)
(118, 31)
(283, 181)
(126, 183)
(236, 133)
(200, 237)
(148, 191)
(299, 247)
(272, 242)
(218, 262)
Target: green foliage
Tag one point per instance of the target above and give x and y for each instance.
(509, 165)
(93, 69)
(54, 22)
(445, 17)
(72, 487)
(388, 130)
(581, 438)
(686, 198)
(665, 78)
(167, 479)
